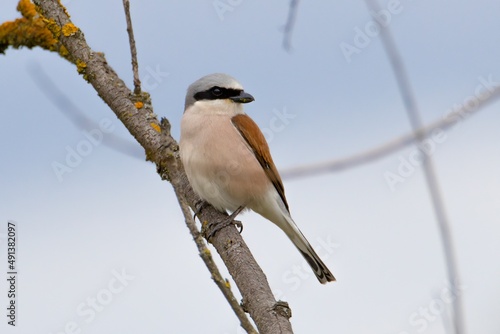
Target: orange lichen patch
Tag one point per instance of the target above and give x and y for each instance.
(53, 27)
(69, 29)
(81, 66)
(139, 104)
(31, 30)
(156, 127)
(63, 51)
(27, 9)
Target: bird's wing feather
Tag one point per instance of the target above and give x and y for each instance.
(257, 143)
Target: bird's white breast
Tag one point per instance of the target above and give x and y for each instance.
(219, 164)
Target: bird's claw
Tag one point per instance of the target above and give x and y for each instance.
(210, 229)
(198, 206)
(239, 225)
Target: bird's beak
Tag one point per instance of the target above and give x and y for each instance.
(242, 98)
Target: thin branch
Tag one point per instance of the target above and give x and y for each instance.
(410, 103)
(76, 116)
(133, 51)
(289, 25)
(393, 145)
(30, 31)
(212, 267)
(136, 113)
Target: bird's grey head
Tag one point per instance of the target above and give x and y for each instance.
(216, 86)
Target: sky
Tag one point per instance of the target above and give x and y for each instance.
(103, 247)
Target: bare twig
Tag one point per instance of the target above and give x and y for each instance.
(162, 149)
(212, 267)
(289, 25)
(133, 51)
(410, 103)
(393, 145)
(76, 116)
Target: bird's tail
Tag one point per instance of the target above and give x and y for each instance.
(299, 240)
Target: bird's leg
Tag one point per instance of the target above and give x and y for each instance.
(198, 206)
(232, 219)
(211, 229)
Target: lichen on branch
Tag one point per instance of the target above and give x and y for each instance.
(32, 30)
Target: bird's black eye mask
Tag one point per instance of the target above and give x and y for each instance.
(217, 93)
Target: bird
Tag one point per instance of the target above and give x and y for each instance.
(228, 162)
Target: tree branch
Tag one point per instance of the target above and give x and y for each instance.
(393, 145)
(77, 116)
(290, 23)
(30, 31)
(442, 220)
(133, 50)
(136, 113)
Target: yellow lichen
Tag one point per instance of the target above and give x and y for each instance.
(27, 9)
(53, 27)
(80, 66)
(29, 31)
(228, 284)
(33, 29)
(207, 251)
(69, 29)
(63, 51)
(139, 105)
(156, 127)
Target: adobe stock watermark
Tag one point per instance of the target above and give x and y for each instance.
(363, 36)
(460, 111)
(299, 273)
(277, 123)
(224, 6)
(76, 154)
(407, 165)
(153, 78)
(88, 309)
(422, 318)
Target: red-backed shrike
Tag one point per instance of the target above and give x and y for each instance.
(228, 163)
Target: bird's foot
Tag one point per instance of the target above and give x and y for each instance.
(200, 205)
(210, 229)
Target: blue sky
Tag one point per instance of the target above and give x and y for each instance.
(111, 232)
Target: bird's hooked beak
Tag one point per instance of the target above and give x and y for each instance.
(242, 98)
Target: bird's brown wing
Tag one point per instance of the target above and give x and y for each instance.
(257, 142)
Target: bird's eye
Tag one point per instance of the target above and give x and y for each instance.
(217, 91)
